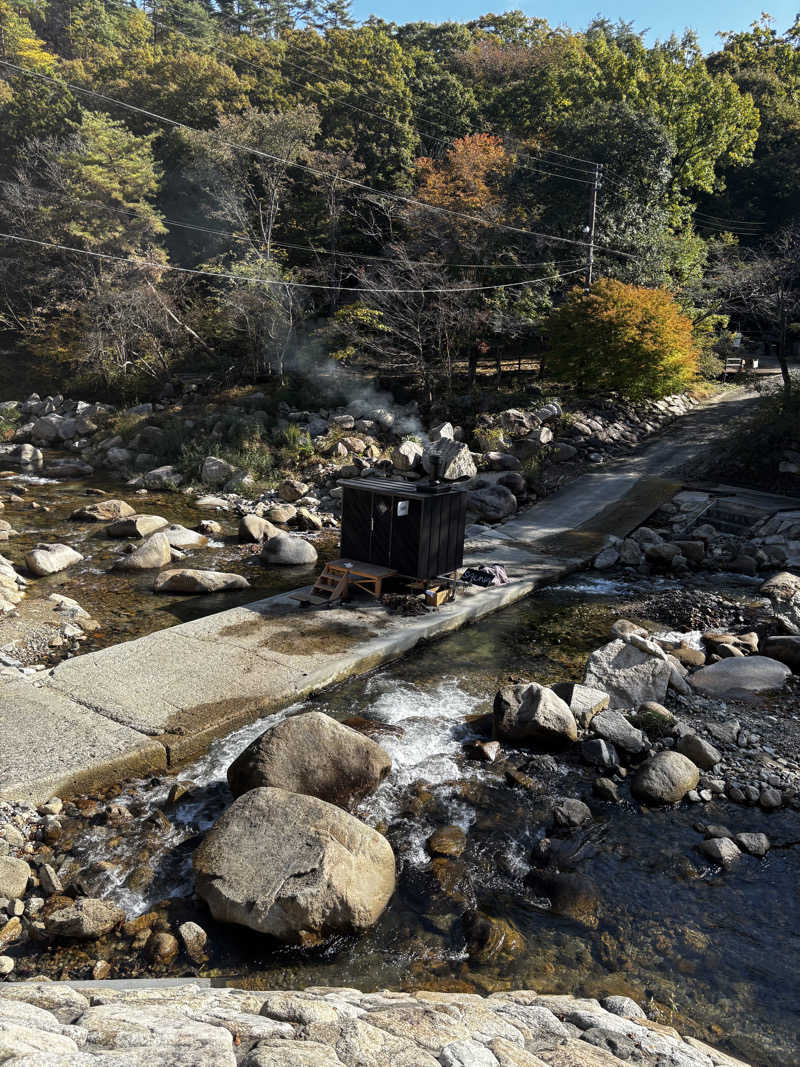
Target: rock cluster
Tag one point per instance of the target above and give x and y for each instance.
(624, 731)
(348, 442)
(685, 536)
(188, 1024)
(286, 859)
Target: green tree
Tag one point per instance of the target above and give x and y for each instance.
(245, 188)
(765, 64)
(377, 131)
(90, 191)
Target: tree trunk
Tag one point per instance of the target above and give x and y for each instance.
(781, 352)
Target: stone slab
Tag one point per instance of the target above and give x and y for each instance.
(192, 683)
(740, 677)
(52, 746)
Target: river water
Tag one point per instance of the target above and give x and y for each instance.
(635, 908)
(123, 602)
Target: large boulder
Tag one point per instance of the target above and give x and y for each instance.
(665, 778)
(740, 677)
(181, 537)
(287, 550)
(194, 581)
(628, 674)
(584, 703)
(136, 526)
(699, 751)
(291, 490)
(449, 459)
(407, 456)
(253, 528)
(783, 591)
(30, 456)
(312, 754)
(613, 727)
(153, 553)
(784, 586)
(294, 868)
(167, 477)
(533, 714)
(492, 503)
(47, 429)
(216, 471)
(103, 511)
(85, 919)
(49, 559)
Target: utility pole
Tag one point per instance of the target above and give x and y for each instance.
(589, 230)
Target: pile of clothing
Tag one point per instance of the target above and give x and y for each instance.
(486, 574)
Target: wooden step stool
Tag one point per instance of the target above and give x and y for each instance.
(337, 577)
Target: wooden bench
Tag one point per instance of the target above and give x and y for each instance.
(733, 365)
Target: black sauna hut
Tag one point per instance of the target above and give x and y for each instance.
(414, 528)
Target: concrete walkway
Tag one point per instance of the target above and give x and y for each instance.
(149, 704)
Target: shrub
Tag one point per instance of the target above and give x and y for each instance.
(709, 365)
(622, 338)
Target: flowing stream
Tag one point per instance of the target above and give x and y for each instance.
(642, 912)
(639, 911)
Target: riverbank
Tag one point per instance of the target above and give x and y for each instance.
(132, 713)
(187, 1023)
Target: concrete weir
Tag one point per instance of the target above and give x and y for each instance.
(153, 703)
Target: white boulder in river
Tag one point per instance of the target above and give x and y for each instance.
(136, 526)
(530, 713)
(666, 778)
(151, 553)
(630, 675)
(288, 550)
(48, 559)
(312, 754)
(103, 511)
(294, 868)
(190, 581)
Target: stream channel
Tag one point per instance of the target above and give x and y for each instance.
(636, 909)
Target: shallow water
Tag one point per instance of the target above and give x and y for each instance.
(713, 953)
(123, 603)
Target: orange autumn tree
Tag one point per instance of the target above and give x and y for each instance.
(466, 179)
(624, 339)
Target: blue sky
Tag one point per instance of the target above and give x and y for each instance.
(660, 18)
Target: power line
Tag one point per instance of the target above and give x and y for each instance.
(735, 222)
(317, 172)
(139, 263)
(295, 247)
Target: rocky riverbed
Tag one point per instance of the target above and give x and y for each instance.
(558, 805)
(522, 872)
(333, 1027)
(95, 501)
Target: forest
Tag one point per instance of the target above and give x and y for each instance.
(255, 188)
